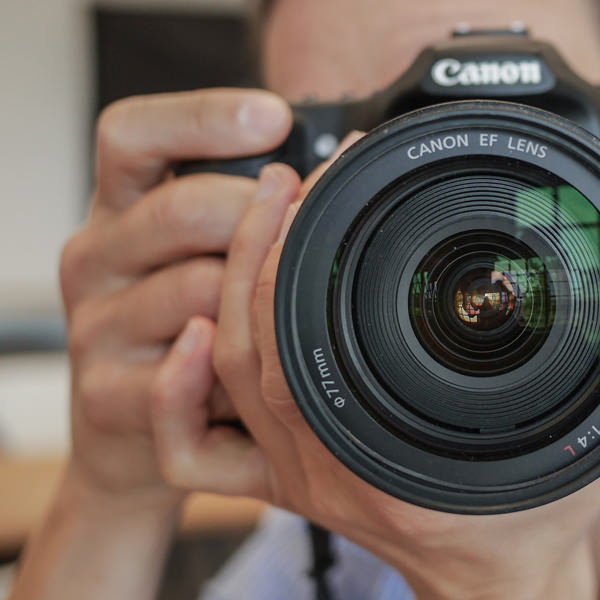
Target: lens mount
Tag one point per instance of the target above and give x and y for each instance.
(438, 307)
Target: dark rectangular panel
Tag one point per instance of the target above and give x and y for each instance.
(145, 52)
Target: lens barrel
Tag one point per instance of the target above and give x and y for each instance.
(438, 307)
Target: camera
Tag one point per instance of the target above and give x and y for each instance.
(438, 297)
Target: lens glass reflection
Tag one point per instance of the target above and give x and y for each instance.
(482, 302)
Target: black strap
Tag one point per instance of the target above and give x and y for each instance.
(323, 559)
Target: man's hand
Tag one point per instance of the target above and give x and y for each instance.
(144, 271)
(541, 553)
(148, 262)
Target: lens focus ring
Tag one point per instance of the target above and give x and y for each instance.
(538, 363)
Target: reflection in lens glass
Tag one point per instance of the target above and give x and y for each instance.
(485, 302)
(481, 302)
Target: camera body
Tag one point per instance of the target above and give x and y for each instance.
(437, 303)
(495, 65)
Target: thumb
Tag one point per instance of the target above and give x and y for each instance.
(191, 454)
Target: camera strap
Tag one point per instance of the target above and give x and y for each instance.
(323, 559)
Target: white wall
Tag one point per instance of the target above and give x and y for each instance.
(44, 100)
(45, 106)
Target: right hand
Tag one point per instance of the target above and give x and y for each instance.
(146, 267)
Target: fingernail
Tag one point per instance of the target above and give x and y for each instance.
(188, 340)
(263, 115)
(268, 183)
(290, 215)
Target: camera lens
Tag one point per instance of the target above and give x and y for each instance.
(438, 308)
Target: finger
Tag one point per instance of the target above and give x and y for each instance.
(277, 394)
(157, 307)
(188, 216)
(278, 186)
(259, 304)
(193, 455)
(236, 357)
(139, 137)
(278, 397)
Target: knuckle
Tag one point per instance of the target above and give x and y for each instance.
(169, 212)
(109, 127)
(205, 297)
(210, 111)
(118, 130)
(84, 329)
(201, 114)
(95, 387)
(188, 211)
(279, 400)
(73, 263)
(275, 389)
(286, 412)
(196, 288)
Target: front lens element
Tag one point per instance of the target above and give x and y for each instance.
(476, 302)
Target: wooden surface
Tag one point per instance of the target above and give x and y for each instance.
(27, 486)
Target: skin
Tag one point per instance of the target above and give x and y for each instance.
(304, 39)
(147, 269)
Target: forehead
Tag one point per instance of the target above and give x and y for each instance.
(328, 49)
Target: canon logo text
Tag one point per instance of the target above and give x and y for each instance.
(450, 72)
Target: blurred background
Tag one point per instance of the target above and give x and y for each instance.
(61, 61)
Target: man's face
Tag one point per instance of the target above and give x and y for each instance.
(328, 48)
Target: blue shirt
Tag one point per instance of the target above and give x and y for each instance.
(273, 564)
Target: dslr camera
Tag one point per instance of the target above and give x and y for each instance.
(438, 297)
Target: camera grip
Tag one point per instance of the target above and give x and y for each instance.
(291, 152)
(244, 167)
